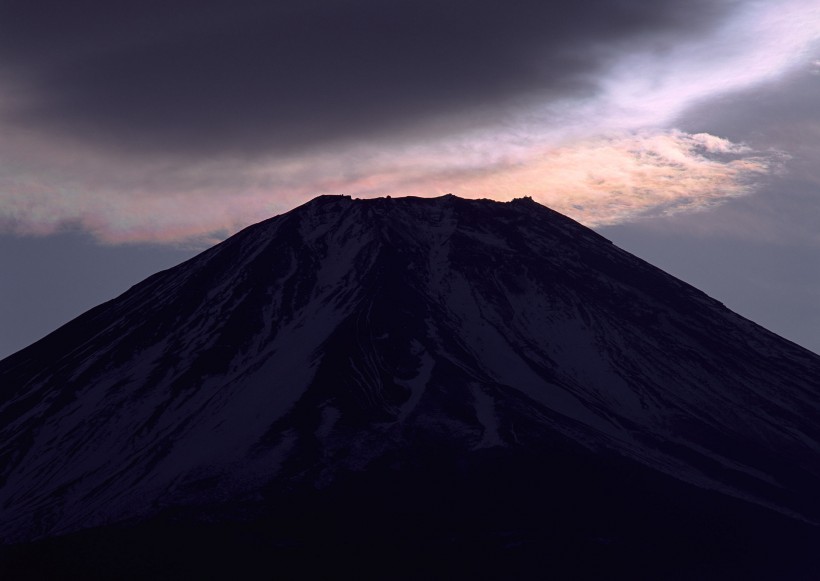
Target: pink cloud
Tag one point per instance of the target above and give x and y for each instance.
(626, 177)
(597, 181)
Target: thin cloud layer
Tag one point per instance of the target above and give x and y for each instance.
(601, 181)
(620, 179)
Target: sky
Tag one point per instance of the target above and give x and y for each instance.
(134, 135)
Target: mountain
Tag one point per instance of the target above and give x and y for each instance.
(411, 388)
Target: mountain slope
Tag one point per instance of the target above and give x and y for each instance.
(382, 342)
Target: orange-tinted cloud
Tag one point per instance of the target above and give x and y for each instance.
(597, 181)
(617, 179)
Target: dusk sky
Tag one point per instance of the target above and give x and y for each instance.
(133, 135)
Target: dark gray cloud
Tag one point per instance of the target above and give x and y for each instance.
(782, 114)
(783, 117)
(206, 76)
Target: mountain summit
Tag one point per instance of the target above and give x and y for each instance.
(441, 384)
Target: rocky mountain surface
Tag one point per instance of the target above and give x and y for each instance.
(428, 385)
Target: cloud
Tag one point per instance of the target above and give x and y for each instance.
(141, 123)
(627, 177)
(601, 180)
(247, 77)
(598, 181)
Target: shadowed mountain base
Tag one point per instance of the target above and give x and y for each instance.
(559, 514)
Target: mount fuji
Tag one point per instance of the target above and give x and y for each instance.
(411, 388)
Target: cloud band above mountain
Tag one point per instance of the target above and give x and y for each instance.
(156, 124)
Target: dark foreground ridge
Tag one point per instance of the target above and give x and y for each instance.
(411, 388)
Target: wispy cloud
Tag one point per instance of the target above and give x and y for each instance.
(622, 178)
(597, 181)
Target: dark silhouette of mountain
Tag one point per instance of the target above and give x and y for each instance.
(411, 388)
